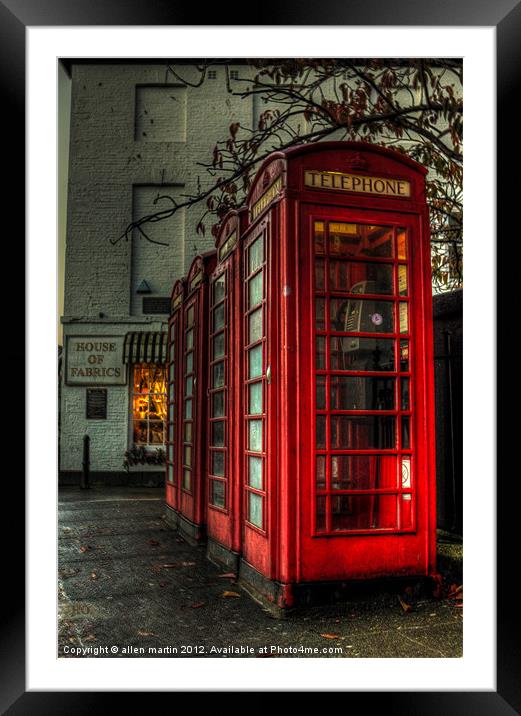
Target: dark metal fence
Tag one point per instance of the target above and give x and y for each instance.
(448, 359)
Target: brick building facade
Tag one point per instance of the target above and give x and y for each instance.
(136, 133)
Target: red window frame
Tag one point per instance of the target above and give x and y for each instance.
(223, 389)
(329, 496)
(191, 305)
(259, 378)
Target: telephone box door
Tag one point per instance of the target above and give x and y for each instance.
(364, 504)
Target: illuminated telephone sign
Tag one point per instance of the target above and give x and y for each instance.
(189, 329)
(337, 448)
(224, 397)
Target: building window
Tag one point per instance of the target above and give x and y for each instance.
(212, 74)
(149, 397)
(234, 74)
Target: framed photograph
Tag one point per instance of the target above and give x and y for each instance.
(40, 42)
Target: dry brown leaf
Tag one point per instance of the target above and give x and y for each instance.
(231, 594)
(90, 637)
(85, 548)
(93, 575)
(153, 542)
(330, 636)
(406, 607)
(146, 633)
(228, 575)
(197, 605)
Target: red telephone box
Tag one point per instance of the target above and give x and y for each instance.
(224, 396)
(190, 320)
(172, 444)
(337, 361)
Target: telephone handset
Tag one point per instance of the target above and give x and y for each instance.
(354, 316)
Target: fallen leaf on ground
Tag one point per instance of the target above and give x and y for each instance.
(230, 575)
(93, 575)
(153, 542)
(406, 607)
(330, 636)
(231, 594)
(86, 548)
(146, 633)
(197, 605)
(188, 564)
(90, 637)
(165, 583)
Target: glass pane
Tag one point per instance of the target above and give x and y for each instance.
(320, 354)
(171, 352)
(217, 493)
(321, 392)
(218, 404)
(187, 457)
(404, 322)
(255, 509)
(319, 237)
(219, 288)
(255, 472)
(255, 290)
(171, 432)
(188, 432)
(401, 241)
(155, 433)
(402, 280)
(362, 432)
(189, 339)
(188, 409)
(405, 393)
(189, 384)
(321, 432)
(170, 473)
(140, 432)
(189, 362)
(218, 375)
(361, 277)
(362, 393)
(321, 514)
(256, 254)
(406, 434)
(321, 472)
(171, 373)
(406, 473)
(255, 435)
(218, 317)
(320, 275)
(406, 511)
(218, 433)
(255, 398)
(171, 453)
(190, 315)
(404, 355)
(363, 512)
(217, 463)
(218, 345)
(362, 354)
(255, 361)
(363, 472)
(255, 326)
(171, 412)
(363, 316)
(320, 314)
(360, 240)
(187, 479)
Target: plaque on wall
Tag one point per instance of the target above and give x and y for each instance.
(96, 403)
(156, 304)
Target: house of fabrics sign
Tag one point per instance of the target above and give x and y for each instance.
(95, 360)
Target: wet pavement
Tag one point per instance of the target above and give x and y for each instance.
(130, 586)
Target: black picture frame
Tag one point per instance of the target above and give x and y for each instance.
(505, 16)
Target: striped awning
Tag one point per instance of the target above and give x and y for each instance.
(145, 347)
